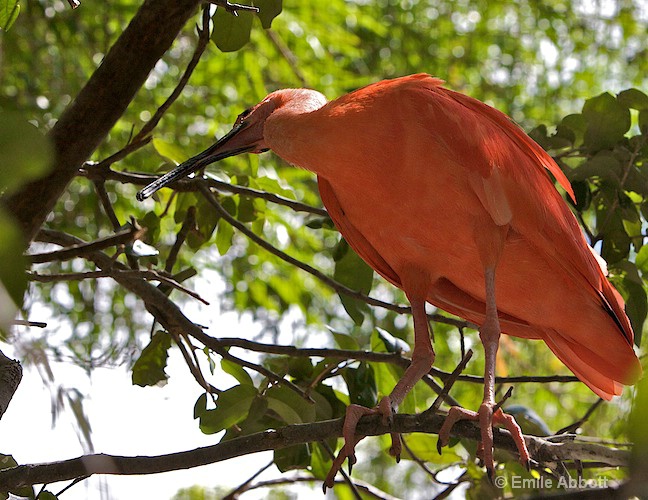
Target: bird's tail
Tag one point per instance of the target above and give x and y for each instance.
(591, 363)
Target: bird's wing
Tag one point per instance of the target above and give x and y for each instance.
(514, 187)
(357, 241)
(508, 172)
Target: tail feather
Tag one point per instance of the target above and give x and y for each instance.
(602, 378)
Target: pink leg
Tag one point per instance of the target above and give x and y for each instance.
(422, 359)
(489, 334)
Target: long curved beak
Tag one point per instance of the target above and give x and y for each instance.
(221, 149)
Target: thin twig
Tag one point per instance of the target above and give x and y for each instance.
(126, 236)
(287, 54)
(22, 322)
(188, 225)
(265, 372)
(148, 274)
(449, 382)
(246, 485)
(194, 368)
(421, 463)
(573, 427)
(100, 187)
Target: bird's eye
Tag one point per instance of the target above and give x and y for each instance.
(243, 115)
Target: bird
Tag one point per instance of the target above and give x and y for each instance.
(449, 200)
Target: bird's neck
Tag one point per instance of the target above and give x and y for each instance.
(292, 130)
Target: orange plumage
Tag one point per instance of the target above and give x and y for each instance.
(449, 200)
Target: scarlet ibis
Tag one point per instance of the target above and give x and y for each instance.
(447, 199)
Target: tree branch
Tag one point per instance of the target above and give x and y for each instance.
(99, 105)
(542, 450)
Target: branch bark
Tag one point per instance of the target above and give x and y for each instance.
(543, 451)
(99, 105)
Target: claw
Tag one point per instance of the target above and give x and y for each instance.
(439, 445)
(490, 472)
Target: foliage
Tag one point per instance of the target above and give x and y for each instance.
(539, 62)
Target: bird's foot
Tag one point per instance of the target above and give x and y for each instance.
(353, 415)
(487, 419)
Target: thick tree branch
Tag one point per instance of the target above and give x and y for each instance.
(100, 104)
(542, 450)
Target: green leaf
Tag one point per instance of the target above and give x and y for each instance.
(236, 371)
(424, 446)
(9, 10)
(224, 235)
(232, 407)
(231, 32)
(362, 385)
(13, 279)
(206, 220)
(583, 195)
(345, 341)
(149, 368)
(300, 368)
(47, 495)
(320, 460)
(26, 152)
(7, 462)
(268, 10)
(289, 406)
(642, 259)
(246, 210)
(292, 458)
(636, 306)
(200, 407)
(633, 98)
(638, 429)
(643, 121)
(607, 121)
(392, 344)
(604, 165)
(352, 271)
(273, 186)
(169, 150)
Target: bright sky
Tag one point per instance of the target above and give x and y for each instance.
(126, 420)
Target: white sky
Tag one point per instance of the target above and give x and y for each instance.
(126, 420)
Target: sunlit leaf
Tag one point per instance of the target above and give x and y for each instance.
(224, 235)
(169, 150)
(232, 407)
(268, 10)
(149, 368)
(236, 371)
(424, 447)
(9, 10)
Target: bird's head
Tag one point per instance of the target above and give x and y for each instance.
(246, 136)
